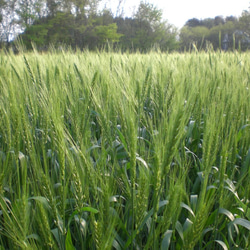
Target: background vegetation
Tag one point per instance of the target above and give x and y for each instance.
(124, 151)
(85, 24)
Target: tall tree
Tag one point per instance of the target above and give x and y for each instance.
(9, 21)
(194, 22)
(219, 20)
(228, 33)
(78, 23)
(85, 7)
(28, 11)
(244, 24)
(52, 6)
(149, 13)
(17, 15)
(231, 19)
(207, 22)
(245, 21)
(195, 35)
(152, 28)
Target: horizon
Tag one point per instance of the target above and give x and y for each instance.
(191, 9)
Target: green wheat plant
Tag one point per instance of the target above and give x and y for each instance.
(118, 151)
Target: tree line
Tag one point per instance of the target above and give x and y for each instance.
(228, 33)
(82, 24)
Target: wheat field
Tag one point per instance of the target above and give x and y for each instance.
(117, 151)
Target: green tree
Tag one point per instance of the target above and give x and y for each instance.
(216, 31)
(194, 22)
(245, 21)
(216, 36)
(61, 29)
(78, 23)
(35, 34)
(57, 30)
(208, 22)
(52, 7)
(149, 13)
(244, 26)
(219, 20)
(229, 34)
(107, 33)
(74, 30)
(28, 11)
(231, 19)
(196, 35)
(152, 29)
(85, 7)
(128, 27)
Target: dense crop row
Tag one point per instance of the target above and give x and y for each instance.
(112, 151)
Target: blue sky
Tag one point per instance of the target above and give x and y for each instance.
(177, 12)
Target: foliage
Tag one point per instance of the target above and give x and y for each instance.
(196, 35)
(79, 24)
(226, 34)
(244, 23)
(118, 151)
(107, 33)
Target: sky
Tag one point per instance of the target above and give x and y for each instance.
(177, 12)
